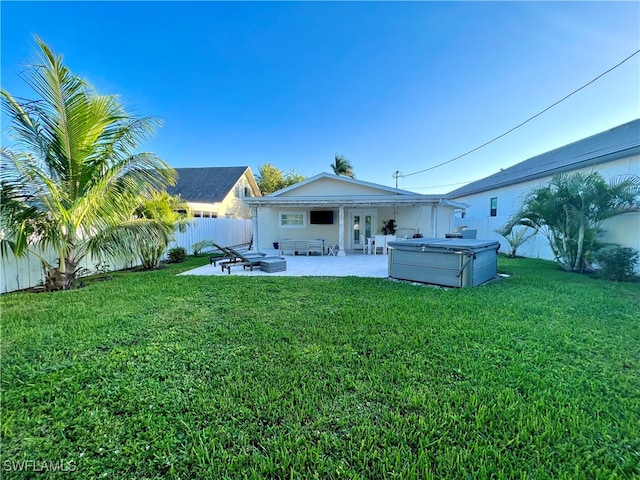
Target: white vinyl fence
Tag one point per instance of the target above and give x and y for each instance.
(621, 230)
(537, 247)
(27, 272)
(223, 231)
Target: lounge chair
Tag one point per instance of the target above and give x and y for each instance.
(228, 254)
(244, 259)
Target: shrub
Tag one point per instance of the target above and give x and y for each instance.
(177, 255)
(389, 227)
(617, 263)
(516, 235)
(200, 246)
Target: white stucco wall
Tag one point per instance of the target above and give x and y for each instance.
(624, 230)
(409, 220)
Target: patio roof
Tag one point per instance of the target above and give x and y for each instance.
(353, 201)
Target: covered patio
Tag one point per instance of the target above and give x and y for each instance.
(345, 212)
(354, 264)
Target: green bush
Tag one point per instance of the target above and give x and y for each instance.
(617, 263)
(177, 255)
(200, 246)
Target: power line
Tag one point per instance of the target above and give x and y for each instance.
(526, 121)
(438, 186)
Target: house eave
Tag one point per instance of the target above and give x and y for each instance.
(351, 202)
(493, 182)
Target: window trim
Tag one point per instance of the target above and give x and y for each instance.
(493, 210)
(302, 214)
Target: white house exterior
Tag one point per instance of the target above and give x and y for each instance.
(492, 200)
(345, 211)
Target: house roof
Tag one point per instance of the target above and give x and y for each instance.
(619, 142)
(340, 178)
(388, 196)
(208, 184)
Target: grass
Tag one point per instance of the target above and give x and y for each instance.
(150, 375)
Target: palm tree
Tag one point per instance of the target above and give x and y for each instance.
(73, 177)
(166, 209)
(342, 166)
(570, 211)
(516, 236)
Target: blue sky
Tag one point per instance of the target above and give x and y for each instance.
(391, 86)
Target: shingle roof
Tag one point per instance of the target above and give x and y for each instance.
(206, 184)
(618, 142)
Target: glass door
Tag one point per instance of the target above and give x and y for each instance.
(361, 228)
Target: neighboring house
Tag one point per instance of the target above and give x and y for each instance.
(216, 192)
(492, 200)
(345, 211)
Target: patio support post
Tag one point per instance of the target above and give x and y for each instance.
(254, 228)
(341, 233)
(435, 222)
(434, 212)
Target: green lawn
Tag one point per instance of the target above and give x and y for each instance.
(150, 375)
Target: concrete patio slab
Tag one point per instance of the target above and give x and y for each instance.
(352, 264)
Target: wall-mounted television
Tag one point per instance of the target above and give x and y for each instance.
(321, 217)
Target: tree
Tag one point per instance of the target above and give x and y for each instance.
(342, 166)
(292, 178)
(73, 177)
(516, 235)
(570, 210)
(167, 210)
(271, 179)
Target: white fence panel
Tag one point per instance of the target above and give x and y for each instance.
(27, 272)
(537, 247)
(223, 231)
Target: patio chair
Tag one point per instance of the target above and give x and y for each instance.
(367, 245)
(315, 246)
(228, 255)
(378, 243)
(244, 259)
(287, 246)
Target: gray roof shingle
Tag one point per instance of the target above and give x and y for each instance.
(618, 142)
(206, 184)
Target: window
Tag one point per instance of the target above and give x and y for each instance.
(293, 219)
(494, 207)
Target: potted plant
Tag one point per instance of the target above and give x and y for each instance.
(389, 227)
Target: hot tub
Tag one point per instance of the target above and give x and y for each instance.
(444, 261)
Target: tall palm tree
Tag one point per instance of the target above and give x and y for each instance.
(73, 177)
(342, 166)
(570, 210)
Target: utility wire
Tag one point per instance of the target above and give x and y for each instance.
(523, 123)
(438, 186)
